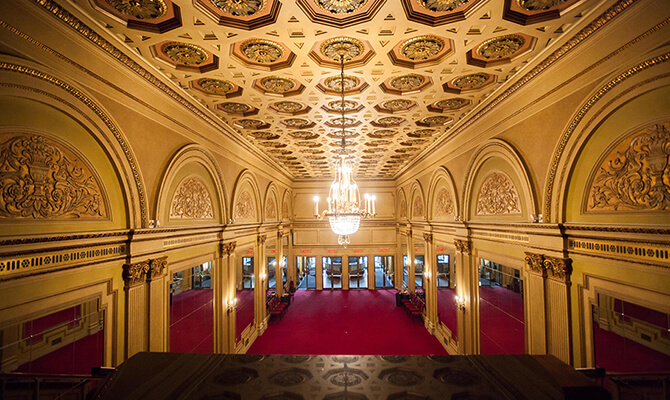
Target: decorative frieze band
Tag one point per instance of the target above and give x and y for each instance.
(143, 271)
(228, 248)
(462, 246)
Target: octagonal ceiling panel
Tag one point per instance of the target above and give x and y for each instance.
(269, 69)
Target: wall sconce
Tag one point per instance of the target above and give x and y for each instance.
(263, 275)
(231, 305)
(427, 274)
(460, 303)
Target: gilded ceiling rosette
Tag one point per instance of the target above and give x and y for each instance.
(185, 56)
(289, 107)
(276, 85)
(241, 14)
(388, 121)
(340, 13)
(395, 106)
(339, 106)
(406, 84)
(528, 12)
(297, 123)
(467, 83)
(333, 85)
(437, 120)
(263, 54)
(440, 12)
(237, 108)
(157, 16)
(216, 87)
(421, 51)
(448, 105)
(501, 50)
(328, 52)
(255, 124)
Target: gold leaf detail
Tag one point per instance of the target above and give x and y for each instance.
(498, 195)
(191, 201)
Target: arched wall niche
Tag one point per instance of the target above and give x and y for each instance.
(442, 198)
(191, 191)
(417, 209)
(496, 179)
(403, 211)
(631, 98)
(37, 100)
(611, 178)
(271, 211)
(287, 206)
(246, 199)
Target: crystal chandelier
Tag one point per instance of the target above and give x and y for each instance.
(344, 199)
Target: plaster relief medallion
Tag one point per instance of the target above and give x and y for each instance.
(251, 123)
(401, 156)
(396, 105)
(262, 51)
(312, 151)
(390, 121)
(382, 133)
(215, 86)
(407, 150)
(339, 105)
(421, 133)
(345, 359)
(497, 196)
(472, 81)
(295, 359)
(297, 123)
(635, 174)
(140, 9)
(395, 359)
(235, 108)
(291, 377)
(406, 83)
(279, 151)
(239, 8)
(373, 150)
(338, 134)
(184, 53)
(308, 143)
(313, 157)
(340, 6)
(335, 83)
(400, 377)
(306, 135)
(437, 120)
(264, 135)
(284, 210)
(414, 142)
(451, 104)
(345, 376)
(456, 377)
(501, 47)
(271, 210)
(339, 143)
(417, 212)
(443, 204)
(274, 144)
(442, 5)
(277, 84)
(422, 47)
(403, 207)
(288, 107)
(236, 376)
(378, 142)
(346, 151)
(41, 178)
(342, 47)
(244, 208)
(346, 122)
(191, 200)
(536, 5)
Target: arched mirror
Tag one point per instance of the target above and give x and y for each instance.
(447, 310)
(245, 285)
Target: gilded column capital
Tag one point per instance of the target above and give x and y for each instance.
(535, 263)
(135, 274)
(157, 268)
(428, 237)
(558, 268)
(462, 246)
(228, 248)
(261, 239)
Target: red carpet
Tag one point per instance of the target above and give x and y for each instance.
(446, 307)
(501, 321)
(75, 358)
(361, 322)
(618, 354)
(245, 311)
(192, 322)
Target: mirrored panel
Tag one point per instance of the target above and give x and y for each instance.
(358, 272)
(501, 313)
(308, 264)
(284, 262)
(405, 262)
(384, 271)
(638, 334)
(271, 273)
(191, 310)
(419, 261)
(332, 272)
(244, 315)
(447, 310)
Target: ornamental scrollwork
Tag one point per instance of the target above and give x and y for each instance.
(244, 208)
(140, 9)
(261, 240)
(191, 201)
(535, 263)
(443, 204)
(215, 86)
(471, 81)
(228, 248)
(422, 47)
(403, 208)
(239, 8)
(428, 237)
(462, 246)
(156, 268)
(537, 5)
(342, 48)
(185, 53)
(635, 175)
(442, 5)
(501, 46)
(262, 51)
(284, 210)
(558, 268)
(417, 211)
(44, 179)
(498, 195)
(271, 210)
(340, 6)
(134, 274)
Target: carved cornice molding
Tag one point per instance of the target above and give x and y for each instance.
(261, 240)
(462, 246)
(135, 274)
(428, 237)
(157, 268)
(558, 268)
(535, 262)
(228, 248)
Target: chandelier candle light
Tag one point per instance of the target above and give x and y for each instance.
(344, 199)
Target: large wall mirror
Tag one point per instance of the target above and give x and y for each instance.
(272, 264)
(447, 310)
(245, 284)
(307, 264)
(501, 313)
(419, 263)
(332, 272)
(405, 262)
(384, 271)
(191, 310)
(284, 262)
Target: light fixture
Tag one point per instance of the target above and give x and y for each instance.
(460, 303)
(231, 305)
(344, 199)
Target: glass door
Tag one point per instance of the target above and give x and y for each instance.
(272, 274)
(358, 272)
(384, 271)
(332, 272)
(247, 272)
(418, 271)
(309, 268)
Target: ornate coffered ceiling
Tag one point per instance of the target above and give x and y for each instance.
(270, 68)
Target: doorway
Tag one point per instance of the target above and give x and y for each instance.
(358, 272)
(383, 271)
(309, 267)
(332, 272)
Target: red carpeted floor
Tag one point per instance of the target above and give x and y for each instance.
(346, 322)
(501, 321)
(446, 307)
(618, 354)
(192, 322)
(245, 311)
(75, 358)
